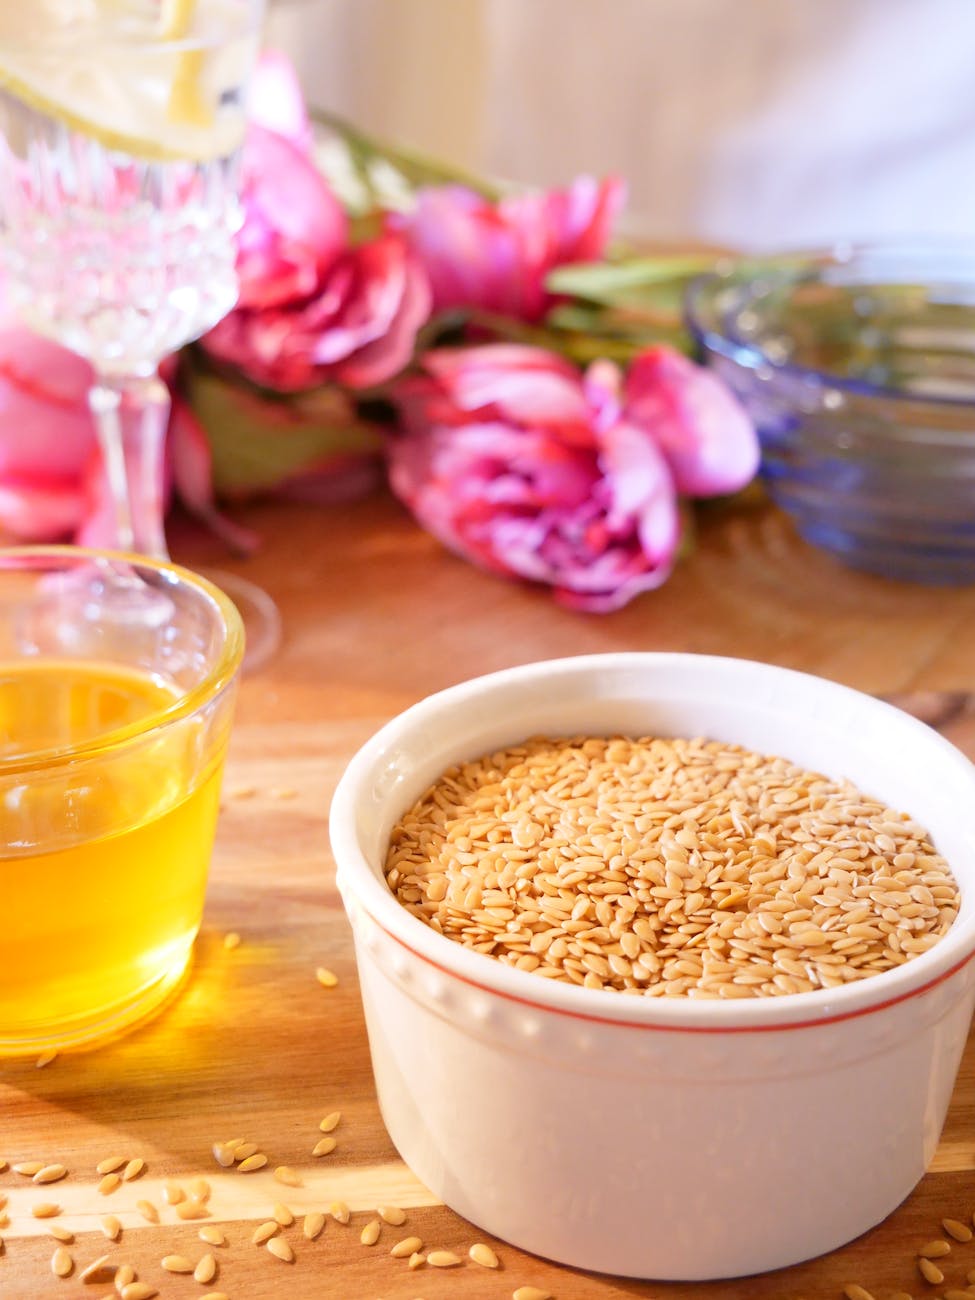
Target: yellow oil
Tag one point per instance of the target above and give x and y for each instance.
(103, 863)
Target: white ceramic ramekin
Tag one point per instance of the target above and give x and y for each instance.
(652, 1137)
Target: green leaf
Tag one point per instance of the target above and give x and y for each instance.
(258, 443)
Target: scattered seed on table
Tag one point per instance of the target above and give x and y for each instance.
(444, 1259)
(483, 1255)
(536, 1293)
(176, 1264)
(215, 1295)
(280, 1249)
(901, 1295)
(200, 1188)
(111, 1227)
(98, 1271)
(930, 1272)
(64, 1235)
(935, 1249)
(955, 1228)
(3, 1166)
(313, 1225)
(330, 1121)
(391, 1214)
(416, 1260)
(265, 1231)
(45, 1058)
(28, 1168)
(326, 978)
(148, 1211)
(110, 1165)
(50, 1174)
(124, 1274)
(231, 940)
(370, 1233)
(955, 1293)
(62, 1264)
(252, 1163)
(282, 1215)
(139, 1291)
(324, 1146)
(211, 1235)
(110, 1183)
(173, 1194)
(191, 1208)
(223, 1154)
(133, 1169)
(339, 1211)
(286, 1175)
(408, 1246)
(243, 792)
(45, 1210)
(206, 1270)
(244, 1149)
(283, 792)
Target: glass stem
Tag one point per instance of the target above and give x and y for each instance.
(131, 414)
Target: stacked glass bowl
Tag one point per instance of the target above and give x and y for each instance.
(858, 368)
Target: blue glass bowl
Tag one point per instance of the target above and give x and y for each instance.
(858, 368)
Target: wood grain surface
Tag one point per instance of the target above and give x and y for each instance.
(376, 615)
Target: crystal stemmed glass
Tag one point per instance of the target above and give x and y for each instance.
(122, 122)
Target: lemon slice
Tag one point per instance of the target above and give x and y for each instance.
(161, 87)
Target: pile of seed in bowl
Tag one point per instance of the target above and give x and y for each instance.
(669, 867)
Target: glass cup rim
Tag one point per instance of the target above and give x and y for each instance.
(76, 39)
(217, 678)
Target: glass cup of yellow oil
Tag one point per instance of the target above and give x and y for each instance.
(117, 684)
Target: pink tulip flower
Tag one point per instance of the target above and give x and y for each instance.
(496, 256)
(521, 464)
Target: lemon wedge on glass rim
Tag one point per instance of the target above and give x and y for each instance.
(161, 82)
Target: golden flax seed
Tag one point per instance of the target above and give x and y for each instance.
(370, 1233)
(148, 1211)
(45, 1210)
(930, 1272)
(243, 1150)
(124, 1274)
(391, 1214)
(110, 1183)
(252, 1163)
(313, 1225)
(28, 1168)
(283, 1215)
(443, 1259)
(111, 1227)
(265, 1231)
(281, 1250)
(206, 1270)
(287, 1176)
(483, 1255)
(326, 978)
(200, 1188)
(536, 1293)
(211, 1235)
(110, 1165)
(45, 1059)
(98, 1271)
(339, 1211)
(139, 1291)
(955, 1228)
(416, 1259)
(50, 1174)
(935, 1249)
(133, 1169)
(191, 1208)
(956, 1293)
(64, 1235)
(223, 1154)
(324, 1146)
(408, 1246)
(176, 1264)
(62, 1264)
(330, 1122)
(173, 1193)
(215, 1295)
(231, 940)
